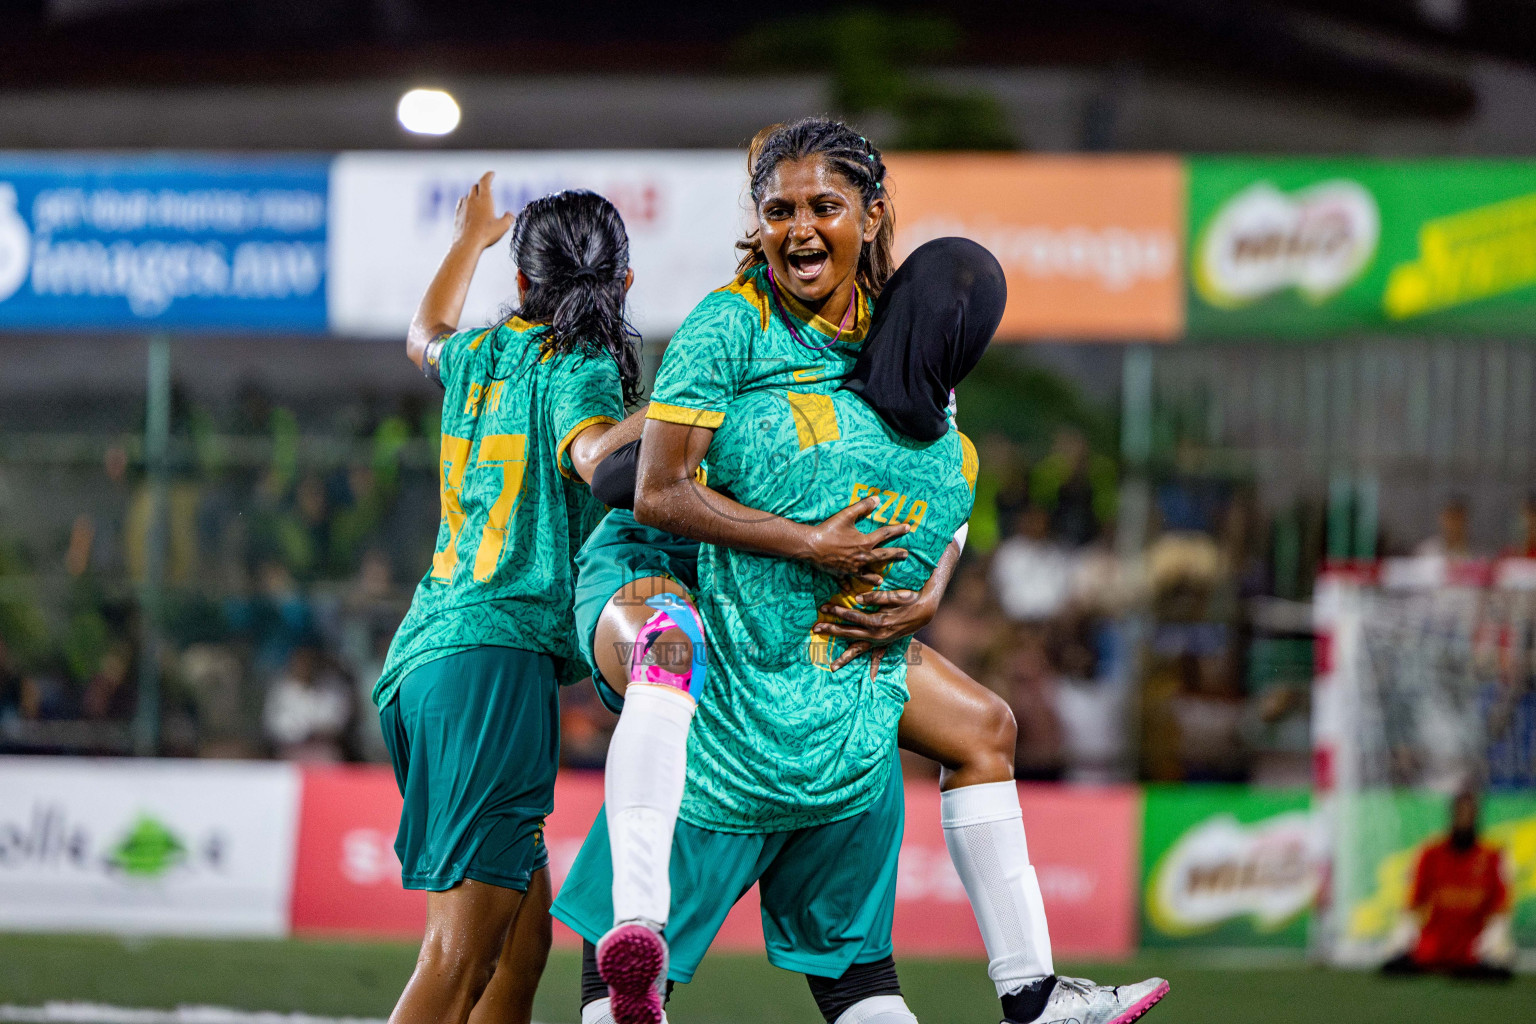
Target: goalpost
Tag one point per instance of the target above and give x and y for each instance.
(1424, 684)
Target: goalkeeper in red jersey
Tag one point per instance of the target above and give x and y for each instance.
(1461, 904)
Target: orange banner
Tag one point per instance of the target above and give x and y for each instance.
(1092, 246)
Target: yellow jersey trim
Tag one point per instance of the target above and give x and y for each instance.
(815, 418)
(706, 418)
(565, 442)
(745, 285)
(970, 462)
(855, 332)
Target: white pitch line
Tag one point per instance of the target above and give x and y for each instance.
(101, 1013)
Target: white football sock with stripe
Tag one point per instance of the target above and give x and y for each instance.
(643, 784)
(984, 830)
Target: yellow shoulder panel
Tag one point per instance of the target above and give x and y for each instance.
(745, 285)
(815, 418)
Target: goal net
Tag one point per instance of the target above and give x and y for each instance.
(1424, 685)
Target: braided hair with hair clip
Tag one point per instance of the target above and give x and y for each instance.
(573, 249)
(848, 153)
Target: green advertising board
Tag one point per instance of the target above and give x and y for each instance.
(1389, 831)
(1226, 866)
(1317, 248)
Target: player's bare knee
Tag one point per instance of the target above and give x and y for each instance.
(465, 967)
(999, 731)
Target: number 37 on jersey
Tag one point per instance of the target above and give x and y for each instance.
(508, 452)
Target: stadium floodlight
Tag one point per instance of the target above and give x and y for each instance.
(428, 112)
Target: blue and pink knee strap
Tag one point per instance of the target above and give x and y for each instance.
(671, 613)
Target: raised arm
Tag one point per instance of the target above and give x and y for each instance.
(668, 497)
(475, 229)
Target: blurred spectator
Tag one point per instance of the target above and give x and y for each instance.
(1002, 492)
(368, 737)
(1031, 572)
(1458, 914)
(1207, 714)
(1452, 540)
(273, 619)
(214, 675)
(111, 693)
(1525, 545)
(968, 627)
(1091, 699)
(10, 684)
(1026, 681)
(309, 708)
(1076, 487)
(1183, 570)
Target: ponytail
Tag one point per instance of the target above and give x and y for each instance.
(852, 156)
(574, 251)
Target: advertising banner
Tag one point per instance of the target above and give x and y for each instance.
(1082, 843)
(1091, 245)
(1392, 830)
(1313, 248)
(392, 219)
(1227, 866)
(191, 243)
(161, 847)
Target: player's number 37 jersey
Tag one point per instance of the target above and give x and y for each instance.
(513, 512)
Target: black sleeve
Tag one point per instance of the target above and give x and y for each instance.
(613, 481)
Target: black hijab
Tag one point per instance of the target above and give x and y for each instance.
(931, 324)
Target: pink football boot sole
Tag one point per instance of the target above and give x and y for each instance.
(632, 959)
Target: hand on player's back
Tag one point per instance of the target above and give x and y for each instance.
(839, 546)
(882, 616)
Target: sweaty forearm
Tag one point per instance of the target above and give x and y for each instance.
(938, 582)
(692, 510)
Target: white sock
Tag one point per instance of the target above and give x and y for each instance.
(643, 784)
(984, 830)
(874, 1010)
(598, 1011)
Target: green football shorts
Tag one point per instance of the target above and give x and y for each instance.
(828, 891)
(474, 738)
(619, 551)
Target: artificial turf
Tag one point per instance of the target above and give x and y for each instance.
(363, 979)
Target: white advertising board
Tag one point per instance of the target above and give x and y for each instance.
(391, 219)
(162, 847)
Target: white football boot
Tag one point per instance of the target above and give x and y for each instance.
(1080, 1001)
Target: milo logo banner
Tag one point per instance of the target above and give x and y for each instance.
(1304, 248)
(1227, 866)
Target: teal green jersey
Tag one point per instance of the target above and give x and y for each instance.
(514, 513)
(747, 336)
(779, 740)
